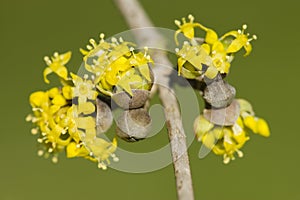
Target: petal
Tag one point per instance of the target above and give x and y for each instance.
(46, 72)
(86, 108)
(201, 126)
(53, 92)
(250, 122)
(211, 36)
(263, 128)
(85, 122)
(37, 98)
(248, 49)
(230, 33)
(211, 72)
(59, 100)
(62, 72)
(208, 140)
(67, 92)
(65, 58)
(144, 70)
(235, 46)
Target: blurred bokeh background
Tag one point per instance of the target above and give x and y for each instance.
(268, 78)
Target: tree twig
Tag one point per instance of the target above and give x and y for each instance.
(136, 17)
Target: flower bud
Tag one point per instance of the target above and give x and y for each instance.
(219, 94)
(134, 125)
(137, 100)
(104, 117)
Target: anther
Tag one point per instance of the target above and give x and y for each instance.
(54, 159)
(89, 47)
(40, 152)
(177, 22)
(34, 131)
(28, 118)
(244, 26)
(93, 42)
(55, 54)
(191, 17)
(50, 150)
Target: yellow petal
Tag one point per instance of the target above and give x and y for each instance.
(59, 100)
(208, 140)
(65, 58)
(263, 128)
(37, 98)
(62, 72)
(67, 92)
(201, 126)
(211, 36)
(144, 70)
(250, 122)
(73, 150)
(211, 72)
(85, 122)
(53, 92)
(248, 49)
(46, 72)
(86, 108)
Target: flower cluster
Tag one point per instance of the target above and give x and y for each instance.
(229, 139)
(212, 55)
(73, 117)
(116, 66)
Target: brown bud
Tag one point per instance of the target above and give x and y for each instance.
(223, 116)
(219, 94)
(137, 100)
(134, 125)
(104, 117)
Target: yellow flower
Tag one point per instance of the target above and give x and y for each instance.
(241, 40)
(83, 89)
(229, 140)
(57, 65)
(218, 52)
(113, 62)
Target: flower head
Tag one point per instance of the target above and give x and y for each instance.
(57, 65)
(117, 67)
(228, 140)
(213, 52)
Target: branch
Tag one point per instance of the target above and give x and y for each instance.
(137, 18)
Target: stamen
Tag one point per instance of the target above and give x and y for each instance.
(85, 76)
(55, 54)
(121, 40)
(114, 40)
(244, 26)
(93, 42)
(89, 47)
(47, 60)
(101, 35)
(177, 22)
(240, 153)
(28, 118)
(54, 159)
(34, 131)
(191, 17)
(50, 150)
(146, 50)
(177, 50)
(101, 165)
(183, 20)
(226, 159)
(40, 152)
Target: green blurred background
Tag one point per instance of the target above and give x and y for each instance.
(268, 78)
